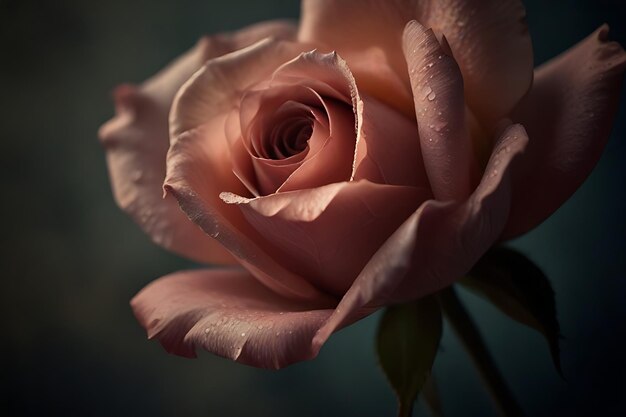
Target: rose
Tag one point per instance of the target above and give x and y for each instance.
(343, 182)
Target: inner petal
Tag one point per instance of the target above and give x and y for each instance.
(289, 130)
(289, 138)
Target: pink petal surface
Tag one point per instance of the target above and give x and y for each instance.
(328, 234)
(388, 148)
(229, 313)
(198, 174)
(440, 108)
(333, 162)
(250, 125)
(492, 45)
(217, 87)
(437, 244)
(283, 110)
(137, 139)
(569, 114)
(489, 38)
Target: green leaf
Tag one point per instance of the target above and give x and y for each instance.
(516, 286)
(407, 342)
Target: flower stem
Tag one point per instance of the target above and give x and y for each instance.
(405, 409)
(466, 330)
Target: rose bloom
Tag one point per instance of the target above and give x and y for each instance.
(369, 156)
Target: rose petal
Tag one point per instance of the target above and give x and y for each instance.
(357, 30)
(569, 115)
(437, 244)
(137, 139)
(333, 161)
(440, 108)
(229, 313)
(384, 136)
(492, 45)
(329, 151)
(489, 38)
(328, 234)
(255, 116)
(388, 148)
(217, 87)
(199, 169)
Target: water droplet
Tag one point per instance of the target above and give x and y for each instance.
(431, 96)
(440, 56)
(243, 334)
(460, 23)
(277, 333)
(439, 113)
(427, 91)
(281, 313)
(207, 330)
(507, 149)
(290, 331)
(496, 162)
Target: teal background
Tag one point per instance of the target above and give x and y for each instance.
(71, 260)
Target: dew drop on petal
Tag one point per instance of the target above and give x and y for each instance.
(427, 91)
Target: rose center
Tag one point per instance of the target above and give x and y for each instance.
(289, 137)
(285, 133)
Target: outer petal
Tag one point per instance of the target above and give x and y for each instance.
(488, 37)
(217, 87)
(491, 43)
(229, 313)
(436, 245)
(569, 114)
(358, 29)
(440, 108)
(328, 234)
(137, 139)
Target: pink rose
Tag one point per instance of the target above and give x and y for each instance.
(329, 184)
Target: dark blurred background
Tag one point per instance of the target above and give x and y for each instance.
(71, 260)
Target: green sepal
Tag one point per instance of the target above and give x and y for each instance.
(407, 343)
(518, 288)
